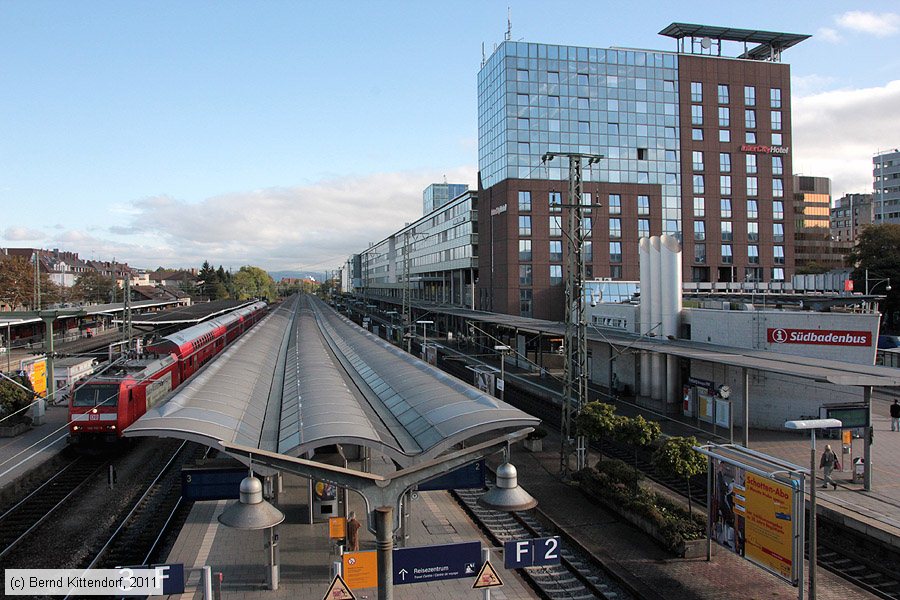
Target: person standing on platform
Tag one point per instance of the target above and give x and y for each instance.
(353, 533)
(828, 462)
(895, 416)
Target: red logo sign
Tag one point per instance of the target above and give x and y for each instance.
(762, 149)
(825, 337)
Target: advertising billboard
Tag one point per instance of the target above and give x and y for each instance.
(36, 371)
(758, 517)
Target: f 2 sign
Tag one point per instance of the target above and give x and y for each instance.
(531, 553)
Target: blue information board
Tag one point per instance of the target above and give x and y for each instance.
(212, 483)
(422, 564)
(466, 477)
(537, 552)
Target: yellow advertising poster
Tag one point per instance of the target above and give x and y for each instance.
(768, 529)
(36, 371)
(360, 569)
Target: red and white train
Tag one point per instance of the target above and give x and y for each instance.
(103, 406)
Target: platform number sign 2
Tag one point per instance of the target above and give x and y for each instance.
(538, 552)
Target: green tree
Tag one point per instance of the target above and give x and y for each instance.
(253, 282)
(878, 252)
(638, 432)
(596, 421)
(13, 397)
(17, 283)
(207, 277)
(93, 287)
(677, 456)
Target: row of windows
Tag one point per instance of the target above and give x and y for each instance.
(726, 228)
(750, 137)
(752, 185)
(727, 254)
(723, 94)
(725, 211)
(725, 117)
(554, 201)
(750, 161)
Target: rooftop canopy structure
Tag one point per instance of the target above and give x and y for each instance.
(709, 38)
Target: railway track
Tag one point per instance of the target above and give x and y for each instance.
(18, 521)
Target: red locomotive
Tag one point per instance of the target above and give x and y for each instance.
(104, 405)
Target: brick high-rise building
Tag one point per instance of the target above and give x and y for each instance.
(695, 144)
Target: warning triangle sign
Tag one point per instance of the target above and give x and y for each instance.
(338, 590)
(487, 577)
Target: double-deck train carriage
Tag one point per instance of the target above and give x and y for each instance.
(103, 406)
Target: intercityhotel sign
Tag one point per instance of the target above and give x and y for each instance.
(762, 149)
(823, 337)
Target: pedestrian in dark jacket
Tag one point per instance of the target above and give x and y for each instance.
(895, 416)
(827, 463)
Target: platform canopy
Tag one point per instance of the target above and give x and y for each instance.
(306, 377)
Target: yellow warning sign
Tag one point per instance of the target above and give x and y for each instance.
(487, 577)
(338, 590)
(337, 528)
(360, 569)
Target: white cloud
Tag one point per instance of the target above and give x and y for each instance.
(807, 85)
(21, 234)
(836, 134)
(829, 35)
(879, 25)
(316, 226)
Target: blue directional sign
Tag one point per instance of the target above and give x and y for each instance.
(422, 564)
(538, 552)
(465, 477)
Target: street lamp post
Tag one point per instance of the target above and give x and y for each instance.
(812, 425)
(425, 325)
(876, 283)
(502, 349)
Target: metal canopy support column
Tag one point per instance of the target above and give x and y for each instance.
(869, 439)
(384, 546)
(746, 376)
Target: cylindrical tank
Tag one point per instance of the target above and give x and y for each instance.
(646, 286)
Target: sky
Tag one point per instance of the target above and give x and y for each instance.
(289, 135)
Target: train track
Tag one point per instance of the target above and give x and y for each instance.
(18, 521)
(845, 552)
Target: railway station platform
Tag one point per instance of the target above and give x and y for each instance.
(29, 450)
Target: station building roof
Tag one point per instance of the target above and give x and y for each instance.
(194, 313)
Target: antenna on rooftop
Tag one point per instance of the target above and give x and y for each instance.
(508, 23)
(483, 59)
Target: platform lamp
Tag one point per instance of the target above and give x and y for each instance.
(251, 513)
(503, 350)
(507, 496)
(812, 425)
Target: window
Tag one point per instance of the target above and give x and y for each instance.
(522, 124)
(643, 205)
(555, 226)
(777, 232)
(698, 160)
(524, 148)
(700, 253)
(583, 79)
(749, 95)
(778, 274)
(699, 230)
(724, 116)
(727, 231)
(727, 257)
(752, 231)
(777, 166)
(584, 127)
(524, 201)
(643, 154)
(697, 134)
(750, 118)
(779, 255)
(776, 120)
(615, 271)
(525, 250)
(775, 97)
(555, 250)
(615, 252)
(699, 187)
(696, 91)
(725, 208)
(524, 226)
(724, 162)
(751, 164)
(522, 99)
(522, 75)
(777, 209)
(696, 114)
(555, 274)
(553, 77)
(776, 139)
(752, 209)
(750, 137)
(615, 204)
(586, 198)
(615, 228)
(587, 225)
(668, 85)
(777, 188)
(584, 104)
(643, 228)
(587, 250)
(752, 186)
(699, 207)
(723, 93)
(525, 275)
(724, 135)
(553, 101)
(725, 184)
(753, 254)
(555, 201)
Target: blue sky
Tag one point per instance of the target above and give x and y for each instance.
(289, 134)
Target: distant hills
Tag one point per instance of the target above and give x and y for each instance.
(279, 275)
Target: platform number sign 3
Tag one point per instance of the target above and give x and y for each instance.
(538, 552)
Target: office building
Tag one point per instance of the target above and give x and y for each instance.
(851, 213)
(886, 172)
(438, 194)
(814, 248)
(695, 145)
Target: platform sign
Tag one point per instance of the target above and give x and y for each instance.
(465, 477)
(850, 415)
(212, 483)
(172, 576)
(360, 569)
(422, 564)
(487, 577)
(539, 552)
(337, 528)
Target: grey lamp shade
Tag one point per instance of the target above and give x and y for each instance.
(251, 511)
(507, 495)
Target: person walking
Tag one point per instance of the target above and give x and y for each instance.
(353, 526)
(827, 463)
(895, 416)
